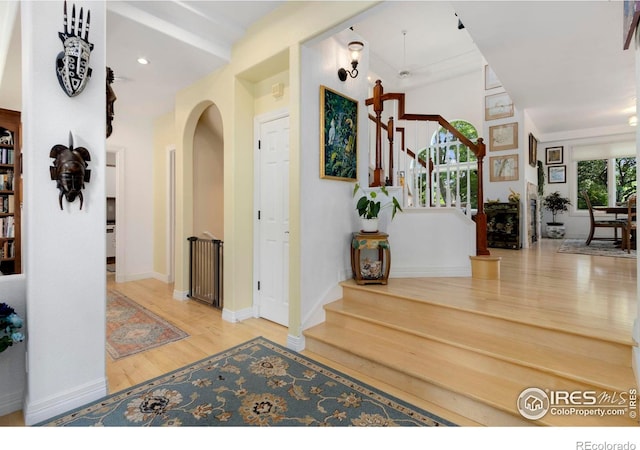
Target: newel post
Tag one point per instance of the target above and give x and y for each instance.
(481, 217)
(378, 108)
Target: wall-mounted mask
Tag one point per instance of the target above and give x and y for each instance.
(72, 64)
(69, 170)
(111, 98)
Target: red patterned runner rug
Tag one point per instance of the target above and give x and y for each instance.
(132, 329)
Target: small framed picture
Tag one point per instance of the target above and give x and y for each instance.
(533, 150)
(554, 155)
(490, 79)
(503, 137)
(498, 106)
(503, 168)
(557, 174)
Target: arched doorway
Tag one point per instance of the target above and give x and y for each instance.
(208, 175)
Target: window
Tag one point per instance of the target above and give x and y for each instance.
(606, 172)
(455, 167)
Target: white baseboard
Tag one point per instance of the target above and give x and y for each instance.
(295, 343)
(11, 402)
(237, 316)
(161, 277)
(180, 295)
(138, 276)
(64, 401)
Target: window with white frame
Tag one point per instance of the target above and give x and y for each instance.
(455, 167)
(606, 172)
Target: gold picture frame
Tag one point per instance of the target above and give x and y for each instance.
(503, 168)
(498, 106)
(338, 136)
(503, 137)
(491, 81)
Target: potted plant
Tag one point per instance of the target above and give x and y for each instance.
(557, 204)
(369, 206)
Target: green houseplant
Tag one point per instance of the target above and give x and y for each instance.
(370, 205)
(556, 204)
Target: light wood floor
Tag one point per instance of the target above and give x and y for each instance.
(594, 294)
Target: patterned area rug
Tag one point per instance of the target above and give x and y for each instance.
(132, 329)
(595, 248)
(258, 383)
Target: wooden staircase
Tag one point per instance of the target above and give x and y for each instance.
(470, 361)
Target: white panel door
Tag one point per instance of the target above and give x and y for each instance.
(273, 271)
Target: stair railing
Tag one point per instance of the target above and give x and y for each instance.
(426, 180)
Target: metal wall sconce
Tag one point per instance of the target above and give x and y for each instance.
(355, 47)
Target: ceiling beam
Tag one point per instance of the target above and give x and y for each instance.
(220, 48)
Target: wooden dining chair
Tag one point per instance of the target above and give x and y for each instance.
(630, 223)
(602, 223)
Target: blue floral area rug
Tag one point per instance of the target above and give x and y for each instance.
(258, 383)
(595, 248)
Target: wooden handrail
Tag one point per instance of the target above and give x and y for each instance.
(478, 148)
(408, 151)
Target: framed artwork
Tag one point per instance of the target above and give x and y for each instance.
(338, 136)
(533, 150)
(498, 106)
(554, 155)
(557, 174)
(490, 79)
(503, 137)
(503, 168)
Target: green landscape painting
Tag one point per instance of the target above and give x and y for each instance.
(338, 135)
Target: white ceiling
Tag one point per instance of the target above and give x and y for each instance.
(183, 40)
(561, 61)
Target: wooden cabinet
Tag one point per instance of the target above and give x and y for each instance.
(10, 192)
(503, 225)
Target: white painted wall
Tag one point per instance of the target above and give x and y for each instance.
(457, 98)
(327, 213)
(434, 242)
(64, 251)
(134, 137)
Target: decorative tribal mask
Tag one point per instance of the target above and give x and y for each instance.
(111, 98)
(69, 170)
(72, 64)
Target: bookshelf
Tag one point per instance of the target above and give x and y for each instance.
(10, 192)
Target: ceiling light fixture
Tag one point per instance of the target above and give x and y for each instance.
(404, 73)
(355, 47)
(143, 61)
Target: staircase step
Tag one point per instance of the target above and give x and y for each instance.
(521, 327)
(465, 381)
(561, 354)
